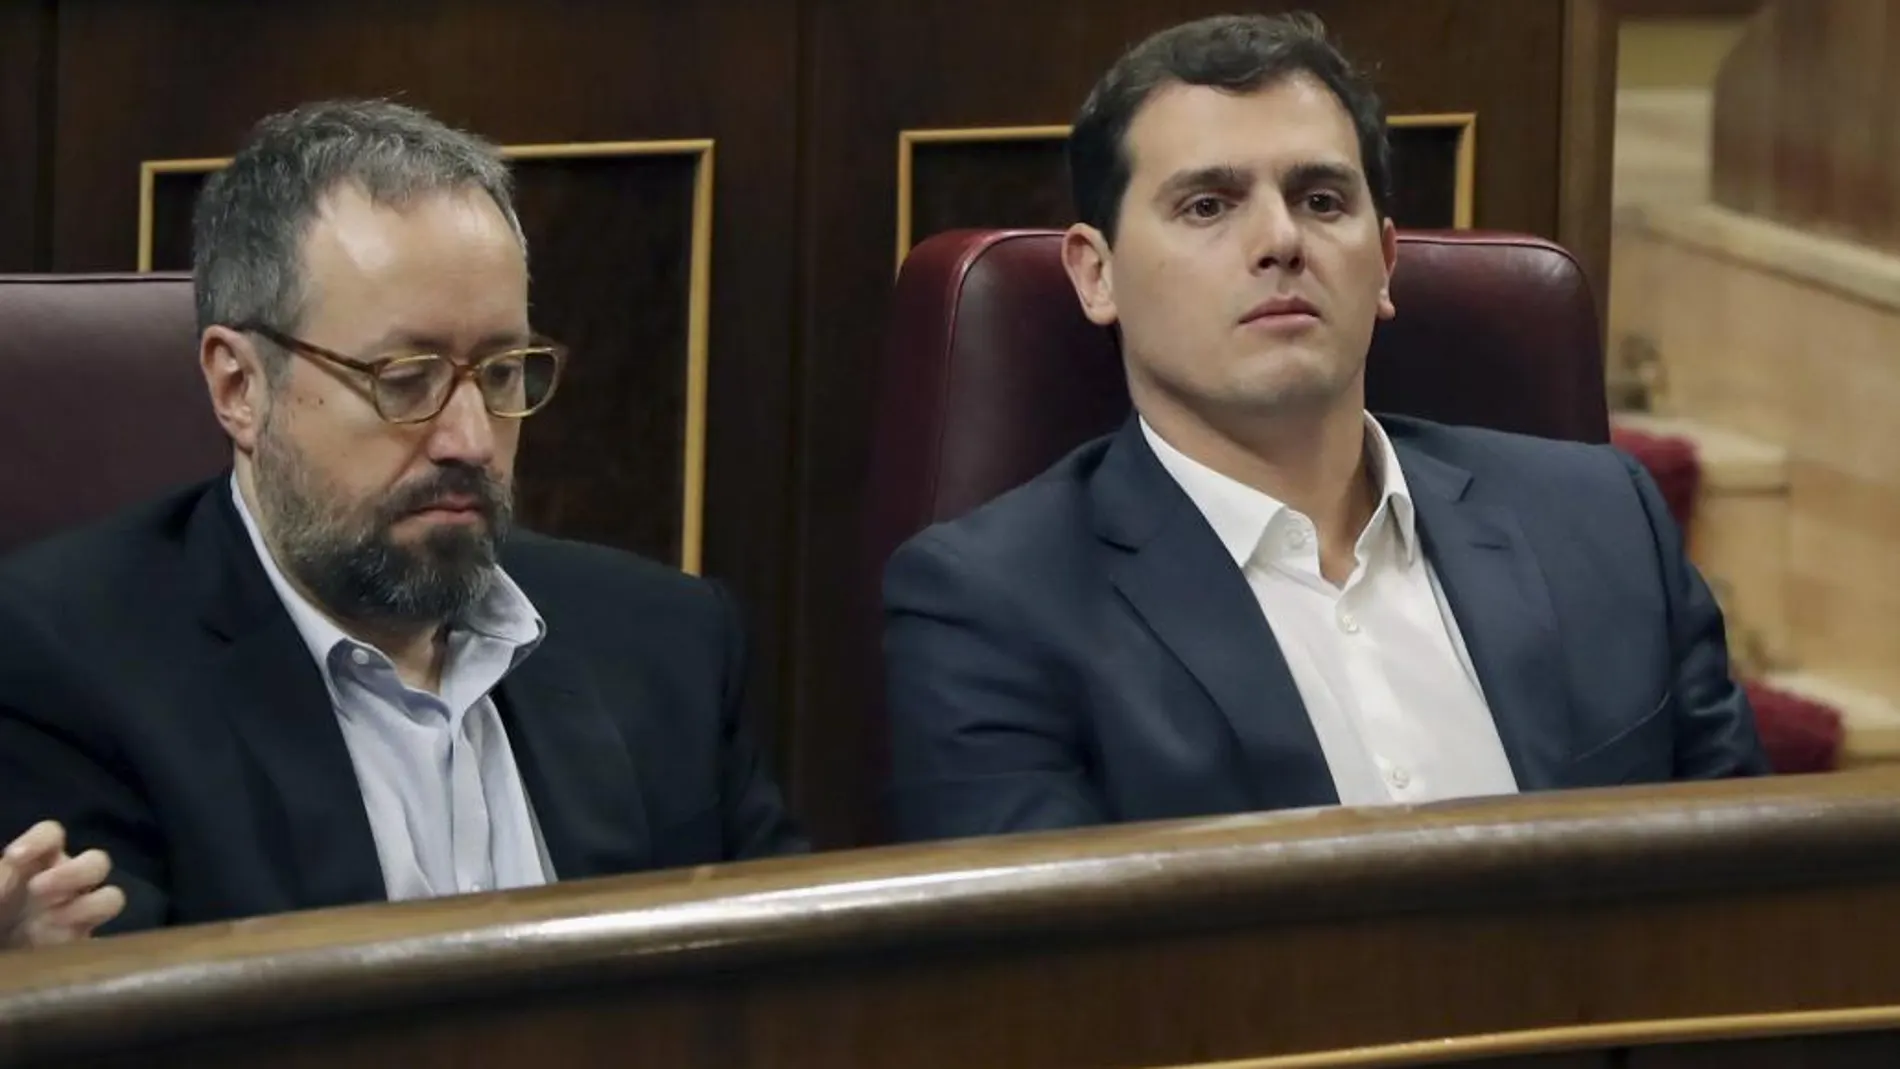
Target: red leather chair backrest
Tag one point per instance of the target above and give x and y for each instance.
(992, 374)
(106, 405)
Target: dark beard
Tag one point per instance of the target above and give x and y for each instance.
(349, 563)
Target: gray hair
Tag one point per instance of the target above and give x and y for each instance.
(249, 223)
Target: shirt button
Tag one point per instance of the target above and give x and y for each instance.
(361, 657)
(1399, 779)
(1348, 623)
(1296, 539)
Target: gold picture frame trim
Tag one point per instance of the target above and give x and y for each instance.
(1463, 189)
(1572, 1038)
(698, 300)
(1465, 180)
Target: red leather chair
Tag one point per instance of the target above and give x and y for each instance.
(992, 373)
(105, 405)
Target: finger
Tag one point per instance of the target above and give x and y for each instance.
(38, 846)
(12, 890)
(70, 878)
(78, 919)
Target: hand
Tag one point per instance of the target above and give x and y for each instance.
(47, 897)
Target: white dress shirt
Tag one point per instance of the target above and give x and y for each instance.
(1379, 661)
(445, 800)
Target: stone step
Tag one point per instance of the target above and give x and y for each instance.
(1871, 721)
(1738, 535)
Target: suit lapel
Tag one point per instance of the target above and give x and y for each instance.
(263, 678)
(576, 766)
(1178, 577)
(1498, 596)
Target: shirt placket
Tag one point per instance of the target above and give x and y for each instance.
(469, 832)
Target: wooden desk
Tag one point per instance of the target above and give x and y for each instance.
(1606, 928)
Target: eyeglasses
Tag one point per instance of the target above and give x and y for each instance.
(416, 387)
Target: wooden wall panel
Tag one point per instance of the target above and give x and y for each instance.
(612, 239)
(1683, 9)
(26, 59)
(165, 79)
(1505, 63)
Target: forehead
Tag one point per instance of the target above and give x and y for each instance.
(441, 254)
(1291, 120)
(354, 233)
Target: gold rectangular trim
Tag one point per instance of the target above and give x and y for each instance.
(1463, 195)
(1573, 1038)
(1464, 190)
(698, 299)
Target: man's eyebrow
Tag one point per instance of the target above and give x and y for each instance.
(424, 342)
(1322, 173)
(1225, 176)
(1218, 176)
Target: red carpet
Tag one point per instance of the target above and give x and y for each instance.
(1799, 735)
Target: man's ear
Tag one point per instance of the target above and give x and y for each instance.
(1090, 264)
(236, 380)
(1389, 247)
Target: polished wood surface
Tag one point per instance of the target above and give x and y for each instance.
(1550, 923)
(1807, 119)
(25, 188)
(1586, 178)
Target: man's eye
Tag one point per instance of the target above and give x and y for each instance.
(1206, 207)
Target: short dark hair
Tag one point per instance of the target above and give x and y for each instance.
(1238, 53)
(250, 219)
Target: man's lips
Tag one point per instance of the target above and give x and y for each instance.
(451, 506)
(1281, 308)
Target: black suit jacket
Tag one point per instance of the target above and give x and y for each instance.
(157, 698)
(1083, 650)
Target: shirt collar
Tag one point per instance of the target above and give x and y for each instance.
(1240, 514)
(504, 613)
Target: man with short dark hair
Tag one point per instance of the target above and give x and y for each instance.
(1257, 595)
(337, 674)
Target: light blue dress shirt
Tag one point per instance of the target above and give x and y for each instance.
(444, 796)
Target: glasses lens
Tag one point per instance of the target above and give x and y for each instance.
(521, 382)
(413, 387)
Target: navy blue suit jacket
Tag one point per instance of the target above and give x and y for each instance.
(1083, 650)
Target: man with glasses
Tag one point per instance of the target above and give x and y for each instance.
(334, 674)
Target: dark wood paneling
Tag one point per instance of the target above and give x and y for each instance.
(26, 64)
(882, 68)
(166, 79)
(1586, 122)
(612, 245)
(173, 194)
(981, 183)
(1683, 9)
(1425, 176)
